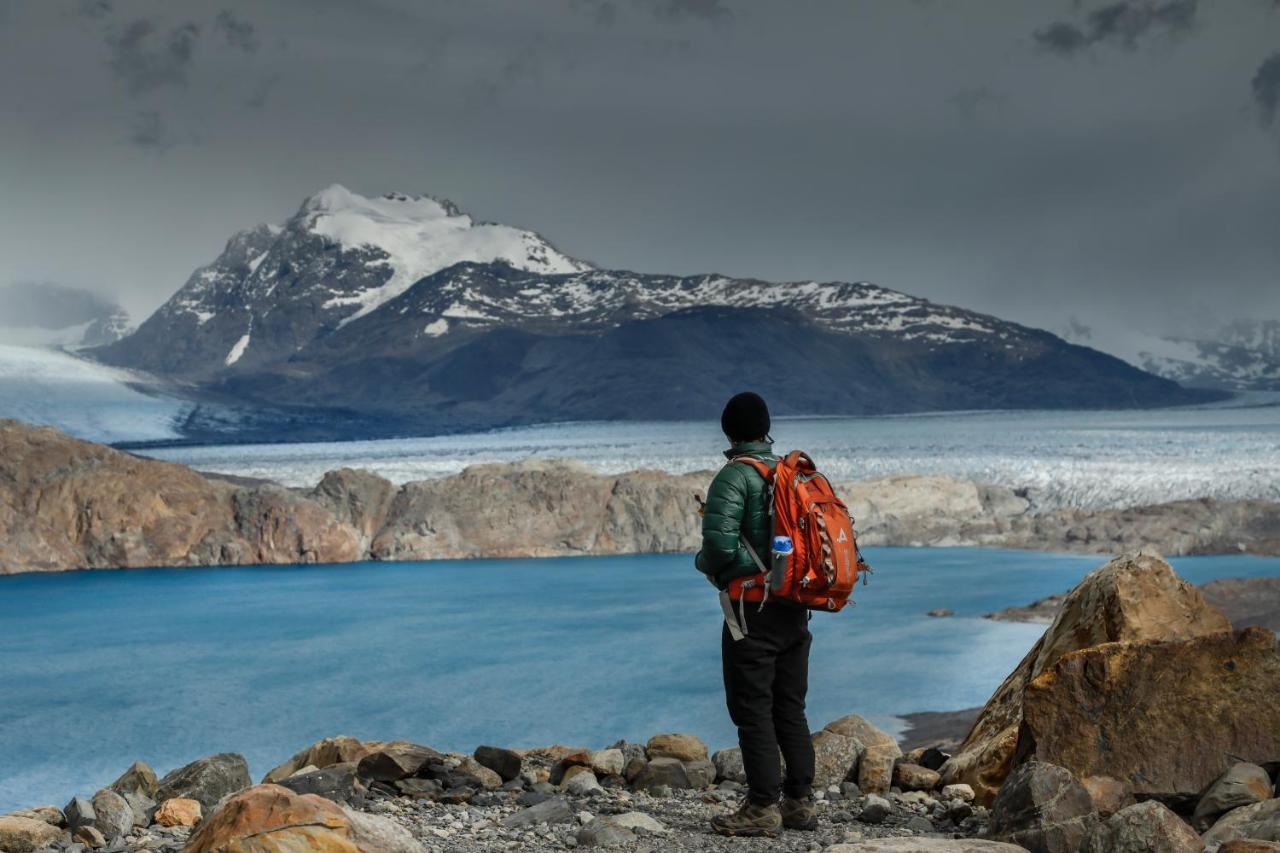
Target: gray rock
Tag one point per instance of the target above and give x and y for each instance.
(338, 782)
(206, 780)
(924, 845)
(138, 779)
(836, 757)
(373, 832)
(1043, 808)
(667, 772)
(605, 832)
(729, 767)
(919, 825)
(641, 823)
(554, 810)
(79, 812)
(660, 791)
(1242, 785)
(584, 784)
(532, 798)
(701, 774)
(419, 787)
(114, 816)
(1147, 827)
(505, 762)
(635, 766)
(875, 809)
(144, 808)
(1260, 821)
(850, 790)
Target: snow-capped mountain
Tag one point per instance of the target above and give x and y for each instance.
(275, 289)
(1243, 355)
(409, 308)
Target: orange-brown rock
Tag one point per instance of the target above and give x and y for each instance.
(178, 811)
(340, 749)
(1166, 718)
(1109, 795)
(66, 503)
(21, 834)
(1250, 845)
(272, 819)
(1133, 598)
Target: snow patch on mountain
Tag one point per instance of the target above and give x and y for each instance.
(237, 350)
(420, 236)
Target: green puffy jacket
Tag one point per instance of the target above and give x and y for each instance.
(736, 504)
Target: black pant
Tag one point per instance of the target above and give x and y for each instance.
(766, 677)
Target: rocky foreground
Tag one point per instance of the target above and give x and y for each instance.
(1141, 722)
(71, 504)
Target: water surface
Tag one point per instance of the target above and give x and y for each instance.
(98, 669)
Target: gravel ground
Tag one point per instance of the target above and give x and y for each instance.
(477, 826)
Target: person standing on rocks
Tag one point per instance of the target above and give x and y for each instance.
(766, 660)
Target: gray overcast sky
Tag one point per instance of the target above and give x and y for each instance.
(1107, 160)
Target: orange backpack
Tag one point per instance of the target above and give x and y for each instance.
(825, 561)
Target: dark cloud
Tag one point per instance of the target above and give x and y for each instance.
(1266, 88)
(603, 13)
(144, 59)
(707, 10)
(151, 133)
(1123, 24)
(96, 9)
(236, 32)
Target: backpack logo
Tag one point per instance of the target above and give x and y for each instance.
(842, 537)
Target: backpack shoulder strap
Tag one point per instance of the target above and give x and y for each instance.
(761, 467)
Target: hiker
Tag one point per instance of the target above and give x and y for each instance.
(765, 640)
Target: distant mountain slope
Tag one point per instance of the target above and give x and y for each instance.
(1243, 355)
(54, 315)
(407, 307)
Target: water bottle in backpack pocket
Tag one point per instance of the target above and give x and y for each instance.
(782, 550)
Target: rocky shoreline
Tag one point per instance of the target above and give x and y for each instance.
(1246, 602)
(1141, 722)
(69, 504)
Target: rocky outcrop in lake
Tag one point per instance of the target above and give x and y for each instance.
(71, 504)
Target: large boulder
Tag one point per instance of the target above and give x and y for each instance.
(1171, 715)
(331, 750)
(114, 815)
(179, 812)
(26, 834)
(1147, 827)
(273, 819)
(206, 780)
(1260, 822)
(835, 758)
(663, 771)
(1243, 785)
(338, 782)
(729, 767)
(1043, 808)
(505, 762)
(681, 746)
(396, 760)
(880, 751)
(138, 779)
(1135, 598)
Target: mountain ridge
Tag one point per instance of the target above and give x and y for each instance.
(405, 306)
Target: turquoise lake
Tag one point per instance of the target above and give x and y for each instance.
(99, 669)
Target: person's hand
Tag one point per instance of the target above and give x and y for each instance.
(702, 505)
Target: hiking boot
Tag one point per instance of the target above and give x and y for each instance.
(751, 821)
(799, 814)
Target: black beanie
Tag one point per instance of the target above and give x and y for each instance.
(745, 417)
